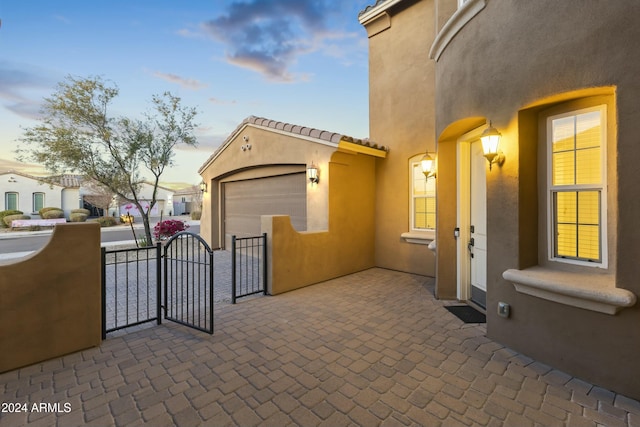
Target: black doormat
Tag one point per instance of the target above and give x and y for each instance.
(467, 314)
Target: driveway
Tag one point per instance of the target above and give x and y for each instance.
(371, 348)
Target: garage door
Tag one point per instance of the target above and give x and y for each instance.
(246, 201)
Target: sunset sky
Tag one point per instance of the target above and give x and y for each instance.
(301, 62)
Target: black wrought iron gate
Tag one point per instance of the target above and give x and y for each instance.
(188, 281)
(248, 266)
(137, 283)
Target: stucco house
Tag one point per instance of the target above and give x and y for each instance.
(538, 232)
(29, 193)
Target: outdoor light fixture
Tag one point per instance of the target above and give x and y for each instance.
(428, 164)
(490, 140)
(203, 187)
(312, 174)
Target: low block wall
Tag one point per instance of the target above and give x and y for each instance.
(50, 301)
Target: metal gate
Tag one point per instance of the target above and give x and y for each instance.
(188, 281)
(137, 283)
(248, 266)
(131, 291)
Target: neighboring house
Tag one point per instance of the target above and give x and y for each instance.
(164, 201)
(29, 193)
(187, 200)
(544, 239)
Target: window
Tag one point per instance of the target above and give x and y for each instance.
(423, 199)
(38, 201)
(11, 201)
(576, 186)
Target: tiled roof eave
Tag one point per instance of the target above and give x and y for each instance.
(374, 10)
(300, 132)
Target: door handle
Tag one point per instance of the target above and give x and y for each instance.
(470, 246)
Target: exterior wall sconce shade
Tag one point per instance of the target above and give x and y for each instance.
(203, 187)
(312, 174)
(427, 163)
(490, 141)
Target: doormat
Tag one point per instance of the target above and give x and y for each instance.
(467, 314)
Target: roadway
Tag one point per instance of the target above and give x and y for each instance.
(12, 242)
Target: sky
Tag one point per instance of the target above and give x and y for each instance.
(296, 61)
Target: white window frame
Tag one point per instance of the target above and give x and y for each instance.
(6, 200)
(412, 196)
(601, 187)
(33, 200)
(422, 236)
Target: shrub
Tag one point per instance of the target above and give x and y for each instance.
(78, 217)
(165, 229)
(87, 212)
(7, 213)
(52, 214)
(47, 209)
(196, 216)
(106, 221)
(7, 219)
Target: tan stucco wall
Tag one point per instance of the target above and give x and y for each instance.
(401, 116)
(301, 259)
(50, 302)
(507, 61)
(271, 153)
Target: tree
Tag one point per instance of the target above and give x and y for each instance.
(76, 134)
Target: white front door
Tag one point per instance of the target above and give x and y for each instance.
(472, 219)
(478, 225)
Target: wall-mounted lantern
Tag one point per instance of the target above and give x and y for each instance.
(490, 141)
(312, 174)
(428, 165)
(203, 187)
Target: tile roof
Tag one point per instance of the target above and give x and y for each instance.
(332, 138)
(378, 7)
(372, 6)
(67, 181)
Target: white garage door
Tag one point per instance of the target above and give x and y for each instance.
(245, 201)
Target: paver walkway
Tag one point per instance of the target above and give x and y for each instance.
(372, 348)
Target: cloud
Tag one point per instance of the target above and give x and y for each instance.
(268, 36)
(16, 83)
(191, 84)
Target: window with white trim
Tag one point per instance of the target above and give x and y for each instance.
(38, 201)
(11, 201)
(576, 185)
(423, 199)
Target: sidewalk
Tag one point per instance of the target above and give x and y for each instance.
(373, 348)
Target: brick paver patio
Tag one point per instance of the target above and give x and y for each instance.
(372, 348)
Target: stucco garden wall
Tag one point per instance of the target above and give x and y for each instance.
(305, 258)
(50, 302)
(509, 62)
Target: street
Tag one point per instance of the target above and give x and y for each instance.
(23, 242)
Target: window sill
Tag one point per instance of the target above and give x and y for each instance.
(590, 292)
(419, 237)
